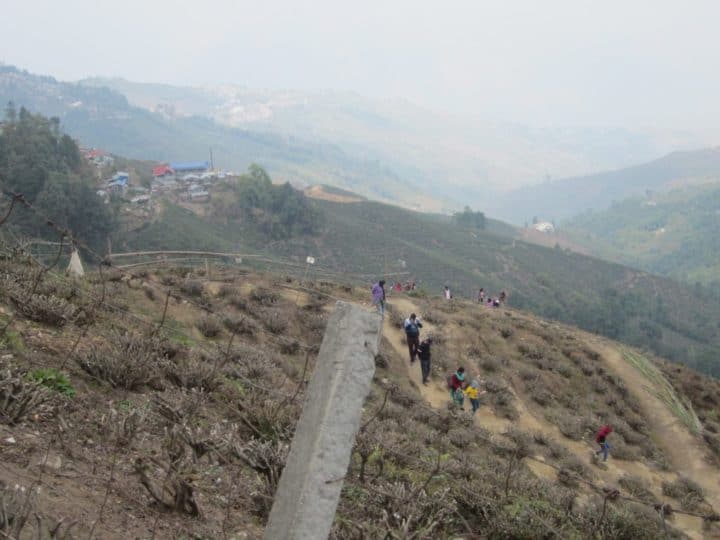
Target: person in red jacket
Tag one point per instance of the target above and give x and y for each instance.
(601, 439)
(456, 384)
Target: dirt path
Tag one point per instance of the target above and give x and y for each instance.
(681, 446)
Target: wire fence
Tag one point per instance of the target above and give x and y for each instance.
(14, 248)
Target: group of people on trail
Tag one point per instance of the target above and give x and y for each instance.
(457, 383)
(460, 389)
(489, 300)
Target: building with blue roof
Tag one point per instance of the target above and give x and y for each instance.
(190, 166)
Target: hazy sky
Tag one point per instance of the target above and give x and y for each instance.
(544, 62)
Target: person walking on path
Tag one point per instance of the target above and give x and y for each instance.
(378, 296)
(423, 352)
(473, 393)
(412, 326)
(447, 293)
(601, 439)
(481, 295)
(455, 385)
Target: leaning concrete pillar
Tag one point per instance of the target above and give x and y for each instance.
(310, 484)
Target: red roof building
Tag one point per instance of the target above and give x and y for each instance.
(162, 170)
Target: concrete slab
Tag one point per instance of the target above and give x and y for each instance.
(310, 485)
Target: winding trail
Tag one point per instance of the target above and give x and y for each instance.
(683, 449)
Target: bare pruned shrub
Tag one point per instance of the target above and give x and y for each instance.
(19, 396)
(289, 346)
(523, 441)
(264, 296)
(622, 451)
(638, 488)
(267, 458)
(564, 370)
(238, 302)
(570, 426)
(460, 437)
(433, 317)
(45, 309)
(192, 287)
(540, 395)
(227, 290)
(16, 507)
(490, 364)
(503, 404)
(128, 360)
(209, 326)
(689, 493)
(171, 490)
(243, 326)
(194, 371)
(274, 321)
(316, 302)
(620, 520)
(572, 463)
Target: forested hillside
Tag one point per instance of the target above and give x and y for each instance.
(563, 199)
(673, 234)
(44, 164)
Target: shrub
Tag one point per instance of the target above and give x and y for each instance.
(129, 360)
(49, 310)
(564, 370)
(192, 287)
(289, 346)
(527, 374)
(19, 396)
(195, 371)
(264, 296)
(570, 426)
(619, 449)
(226, 290)
(541, 395)
(490, 364)
(274, 321)
(54, 380)
(689, 493)
(238, 302)
(506, 332)
(637, 487)
(572, 463)
(433, 317)
(209, 326)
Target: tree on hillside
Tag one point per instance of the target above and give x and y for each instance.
(468, 218)
(281, 211)
(45, 165)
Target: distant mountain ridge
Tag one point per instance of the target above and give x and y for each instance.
(568, 197)
(102, 117)
(457, 159)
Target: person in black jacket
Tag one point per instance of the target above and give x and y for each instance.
(424, 354)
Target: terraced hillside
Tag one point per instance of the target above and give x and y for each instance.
(161, 405)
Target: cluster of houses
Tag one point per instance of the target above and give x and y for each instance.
(96, 156)
(190, 181)
(194, 178)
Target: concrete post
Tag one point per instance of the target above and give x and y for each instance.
(310, 484)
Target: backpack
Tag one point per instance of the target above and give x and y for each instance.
(450, 381)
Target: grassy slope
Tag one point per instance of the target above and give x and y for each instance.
(676, 237)
(539, 377)
(374, 239)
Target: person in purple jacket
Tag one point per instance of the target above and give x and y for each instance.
(378, 296)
